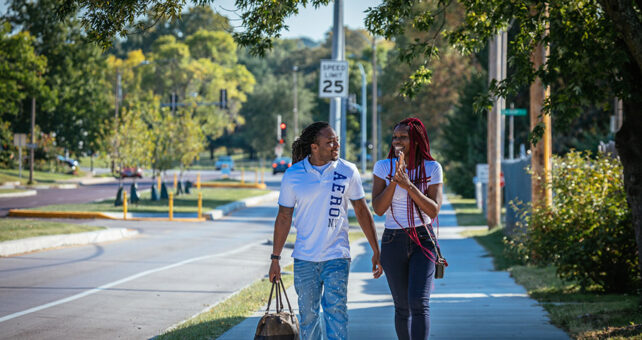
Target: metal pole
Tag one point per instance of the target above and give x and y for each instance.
(511, 137)
(364, 112)
(374, 100)
(295, 109)
(33, 138)
(338, 53)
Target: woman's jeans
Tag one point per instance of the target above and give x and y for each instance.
(409, 273)
(326, 284)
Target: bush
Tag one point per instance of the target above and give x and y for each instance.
(587, 233)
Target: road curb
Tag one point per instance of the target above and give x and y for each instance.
(19, 194)
(233, 185)
(223, 210)
(26, 245)
(59, 214)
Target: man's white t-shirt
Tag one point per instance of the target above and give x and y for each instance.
(399, 199)
(321, 207)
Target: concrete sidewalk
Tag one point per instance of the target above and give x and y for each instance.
(471, 302)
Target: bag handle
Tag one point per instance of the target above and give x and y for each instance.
(279, 299)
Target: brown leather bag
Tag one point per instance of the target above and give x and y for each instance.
(282, 325)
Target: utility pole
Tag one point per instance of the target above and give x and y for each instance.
(295, 109)
(33, 139)
(541, 193)
(116, 105)
(495, 68)
(375, 153)
(338, 53)
(364, 112)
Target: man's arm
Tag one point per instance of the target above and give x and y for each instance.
(366, 222)
(281, 230)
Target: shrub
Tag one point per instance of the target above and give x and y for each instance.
(587, 233)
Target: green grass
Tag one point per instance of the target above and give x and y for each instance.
(7, 191)
(11, 175)
(212, 198)
(227, 314)
(585, 314)
(15, 229)
(466, 210)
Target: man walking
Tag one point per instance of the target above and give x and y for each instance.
(319, 184)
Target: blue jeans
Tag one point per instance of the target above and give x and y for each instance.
(326, 284)
(409, 273)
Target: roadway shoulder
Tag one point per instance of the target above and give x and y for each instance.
(26, 245)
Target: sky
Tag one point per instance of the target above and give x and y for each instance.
(310, 22)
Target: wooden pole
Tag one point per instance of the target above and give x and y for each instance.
(541, 193)
(493, 199)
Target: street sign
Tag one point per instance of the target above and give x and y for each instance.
(20, 140)
(514, 112)
(482, 173)
(333, 80)
(32, 146)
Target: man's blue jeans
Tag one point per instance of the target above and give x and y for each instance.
(326, 284)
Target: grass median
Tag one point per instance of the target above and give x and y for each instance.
(185, 203)
(11, 175)
(467, 212)
(586, 314)
(232, 311)
(15, 229)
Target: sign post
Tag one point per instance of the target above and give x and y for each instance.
(512, 112)
(20, 141)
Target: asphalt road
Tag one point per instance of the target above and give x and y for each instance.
(137, 288)
(89, 193)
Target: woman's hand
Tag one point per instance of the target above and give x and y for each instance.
(401, 177)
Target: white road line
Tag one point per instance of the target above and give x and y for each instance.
(127, 279)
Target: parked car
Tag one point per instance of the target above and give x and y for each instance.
(71, 163)
(224, 162)
(131, 172)
(280, 164)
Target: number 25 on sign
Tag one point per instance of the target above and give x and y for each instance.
(333, 80)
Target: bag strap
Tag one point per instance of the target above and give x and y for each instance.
(434, 241)
(286, 298)
(270, 298)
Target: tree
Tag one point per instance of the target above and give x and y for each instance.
(464, 138)
(79, 102)
(132, 142)
(20, 70)
(271, 97)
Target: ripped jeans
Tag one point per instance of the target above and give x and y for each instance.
(322, 284)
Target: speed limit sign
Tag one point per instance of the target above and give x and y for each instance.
(333, 81)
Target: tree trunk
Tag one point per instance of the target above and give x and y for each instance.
(628, 142)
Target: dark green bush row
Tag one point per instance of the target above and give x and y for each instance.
(587, 233)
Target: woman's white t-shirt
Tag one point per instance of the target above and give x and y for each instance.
(399, 199)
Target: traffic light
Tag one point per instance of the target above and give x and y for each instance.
(283, 128)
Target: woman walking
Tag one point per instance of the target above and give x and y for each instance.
(407, 187)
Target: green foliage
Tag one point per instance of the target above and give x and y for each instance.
(464, 139)
(20, 70)
(587, 232)
(8, 153)
(132, 143)
(75, 101)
